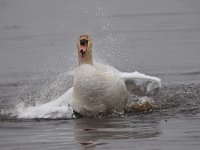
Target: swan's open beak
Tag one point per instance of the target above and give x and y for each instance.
(83, 47)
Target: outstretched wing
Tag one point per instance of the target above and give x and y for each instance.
(141, 84)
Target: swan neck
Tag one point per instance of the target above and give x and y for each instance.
(87, 59)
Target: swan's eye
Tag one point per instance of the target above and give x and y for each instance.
(83, 42)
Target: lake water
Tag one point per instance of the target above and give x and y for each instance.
(155, 37)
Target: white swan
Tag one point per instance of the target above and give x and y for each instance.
(97, 89)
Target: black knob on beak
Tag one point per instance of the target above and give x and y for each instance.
(83, 42)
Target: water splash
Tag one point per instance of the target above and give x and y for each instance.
(44, 86)
(111, 44)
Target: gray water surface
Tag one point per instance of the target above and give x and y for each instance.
(155, 37)
(139, 133)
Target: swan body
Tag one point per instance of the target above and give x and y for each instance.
(97, 92)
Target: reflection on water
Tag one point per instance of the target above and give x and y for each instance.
(94, 132)
(138, 132)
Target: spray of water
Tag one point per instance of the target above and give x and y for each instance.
(111, 44)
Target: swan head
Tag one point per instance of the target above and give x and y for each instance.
(84, 46)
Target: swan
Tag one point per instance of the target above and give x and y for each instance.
(98, 89)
